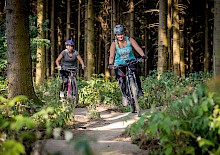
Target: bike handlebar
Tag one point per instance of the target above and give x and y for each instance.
(127, 63)
(70, 69)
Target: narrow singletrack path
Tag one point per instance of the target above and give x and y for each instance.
(106, 134)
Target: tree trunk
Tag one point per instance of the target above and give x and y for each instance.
(52, 38)
(169, 26)
(19, 70)
(79, 30)
(176, 47)
(207, 54)
(40, 66)
(182, 44)
(113, 18)
(162, 39)
(85, 36)
(216, 38)
(68, 20)
(99, 57)
(131, 18)
(47, 37)
(90, 42)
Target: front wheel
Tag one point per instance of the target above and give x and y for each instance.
(75, 90)
(134, 92)
(73, 94)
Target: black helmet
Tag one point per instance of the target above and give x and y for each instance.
(119, 29)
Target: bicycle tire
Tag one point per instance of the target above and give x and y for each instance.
(75, 94)
(134, 92)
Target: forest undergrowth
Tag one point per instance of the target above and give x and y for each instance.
(181, 113)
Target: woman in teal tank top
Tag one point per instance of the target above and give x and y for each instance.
(120, 51)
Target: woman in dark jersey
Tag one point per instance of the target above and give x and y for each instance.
(68, 59)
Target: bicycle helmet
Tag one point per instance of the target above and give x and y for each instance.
(69, 42)
(119, 29)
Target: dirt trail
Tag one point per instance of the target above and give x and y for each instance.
(107, 131)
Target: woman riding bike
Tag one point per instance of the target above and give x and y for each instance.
(67, 59)
(120, 51)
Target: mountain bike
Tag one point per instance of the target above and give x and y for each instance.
(131, 85)
(71, 92)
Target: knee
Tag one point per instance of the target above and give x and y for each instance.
(65, 80)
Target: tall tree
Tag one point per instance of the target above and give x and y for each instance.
(47, 37)
(176, 47)
(18, 49)
(90, 70)
(41, 64)
(216, 38)
(85, 35)
(132, 18)
(52, 35)
(68, 20)
(182, 41)
(207, 52)
(162, 38)
(169, 26)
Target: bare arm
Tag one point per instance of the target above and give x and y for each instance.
(112, 53)
(58, 61)
(81, 61)
(136, 47)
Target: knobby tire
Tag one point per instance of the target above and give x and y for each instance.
(134, 92)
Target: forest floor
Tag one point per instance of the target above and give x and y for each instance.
(105, 134)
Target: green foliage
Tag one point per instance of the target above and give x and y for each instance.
(18, 126)
(160, 92)
(99, 90)
(189, 125)
(10, 147)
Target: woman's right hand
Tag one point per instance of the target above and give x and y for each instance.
(59, 67)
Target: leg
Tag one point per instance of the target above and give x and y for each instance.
(64, 75)
(120, 75)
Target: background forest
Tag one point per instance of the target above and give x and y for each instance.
(180, 38)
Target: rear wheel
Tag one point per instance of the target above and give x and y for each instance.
(134, 92)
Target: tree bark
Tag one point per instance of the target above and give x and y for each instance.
(182, 44)
(131, 18)
(90, 42)
(169, 26)
(162, 39)
(216, 38)
(176, 39)
(52, 38)
(85, 36)
(41, 64)
(207, 53)
(19, 70)
(47, 37)
(68, 20)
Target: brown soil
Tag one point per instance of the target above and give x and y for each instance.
(105, 135)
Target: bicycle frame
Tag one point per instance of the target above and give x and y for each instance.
(72, 88)
(131, 85)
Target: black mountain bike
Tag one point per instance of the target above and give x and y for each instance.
(131, 85)
(71, 92)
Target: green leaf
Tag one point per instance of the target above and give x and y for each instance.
(203, 141)
(11, 147)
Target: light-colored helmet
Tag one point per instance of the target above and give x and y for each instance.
(119, 29)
